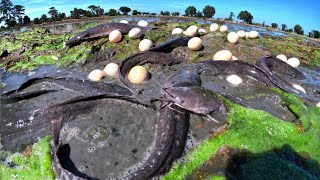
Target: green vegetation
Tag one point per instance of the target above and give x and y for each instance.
(34, 163)
(298, 29)
(208, 11)
(258, 133)
(245, 16)
(191, 11)
(274, 25)
(125, 10)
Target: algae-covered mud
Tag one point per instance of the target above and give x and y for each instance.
(162, 127)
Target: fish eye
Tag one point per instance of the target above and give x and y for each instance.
(181, 101)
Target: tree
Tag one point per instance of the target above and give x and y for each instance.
(53, 13)
(274, 25)
(316, 33)
(7, 13)
(125, 10)
(93, 9)
(283, 27)
(18, 12)
(175, 13)
(134, 12)
(199, 14)
(231, 16)
(43, 18)
(208, 11)
(298, 29)
(191, 11)
(26, 20)
(112, 12)
(245, 16)
(61, 16)
(36, 21)
(165, 13)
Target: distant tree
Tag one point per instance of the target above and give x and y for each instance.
(274, 25)
(231, 16)
(298, 29)
(191, 11)
(316, 33)
(208, 11)
(53, 13)
(7, 13)
(61, 16)
(112, 12)
(175, 13)
(153, 14)
(43, 18)
(245, 16)
(199, 14)
(134, 12)
(36, 21)
(263, 24)
(78, 13)
(165, 13)
(125, 10)
(283, 27)
(26, 20)
(93, 9)
(18, 12)
(145, 13)
(290, 30)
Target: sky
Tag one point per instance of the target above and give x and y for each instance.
(289, 12)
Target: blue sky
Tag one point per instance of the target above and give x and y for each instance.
(290, 12)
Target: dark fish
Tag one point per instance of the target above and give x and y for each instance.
(100, 31)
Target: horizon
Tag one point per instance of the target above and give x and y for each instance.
(304, 14)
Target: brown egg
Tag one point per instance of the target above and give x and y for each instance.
(96, 75)
(137, 74)
(195, 43)
(223, 55)
(111, 69)
(115, 36)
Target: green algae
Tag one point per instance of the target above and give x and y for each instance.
(35, 166)
(259, 132)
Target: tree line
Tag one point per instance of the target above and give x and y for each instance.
(13, 15)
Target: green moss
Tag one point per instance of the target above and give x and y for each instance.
(258, 132)
(217, 178)
(33, 63)
(36, 166)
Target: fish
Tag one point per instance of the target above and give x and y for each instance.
(101, 31)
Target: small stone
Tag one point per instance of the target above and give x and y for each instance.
(223, 55)
(214, 27)
(300, 88)
(232, 37)
(234, 79)
(223, 28)
(195, 43)
(145, 44)
(177, 31)
(111, 69)
(124, 21)
(115, 36)
(282, 57)
(294, 62)
(143, 23)
(135, 33)
(96, 75)
(137, 74)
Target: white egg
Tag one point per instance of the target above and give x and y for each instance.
(145, 44)
(96, 75)
(184, 32)
(137, 74)
(241, 34)
(135, 33)
(115, 36)
(300, 88)
(223, 55)
(202, 31)
(247, 35)
(232, 37)
(234, 79)
(234, 58)
(223, 28)
(192, 31)
(143, 23)
(111, 69)
(124, 21)
(54, 58)
(294, 62)
(195, 43)
(318, 104)
(282, 57)
(177, 31)
(214, 27)
(253, 34)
